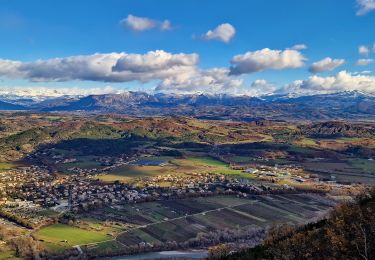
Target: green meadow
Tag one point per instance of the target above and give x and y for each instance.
(176, 166)
(62, 236)
(6, 166)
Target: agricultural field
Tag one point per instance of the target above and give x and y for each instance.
(211, 165)
(6, 166)
(64, 142)
(128, 174)
(56, 157)
(173, 166)
(181, 220)
(59, 236)
(83, 162)
(212, 215)
(112, 228)
(367, 166)
(163, 158)
(348, 171)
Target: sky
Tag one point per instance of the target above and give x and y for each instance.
(252, 47)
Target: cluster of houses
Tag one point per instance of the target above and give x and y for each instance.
(290, 173)
(12, 181)
(33, 187)
(197, 182)
(37, 187)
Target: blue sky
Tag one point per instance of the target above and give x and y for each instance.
(43, 30)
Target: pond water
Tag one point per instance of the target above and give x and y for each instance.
(144, 162)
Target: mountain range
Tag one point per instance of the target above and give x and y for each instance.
(351, 105)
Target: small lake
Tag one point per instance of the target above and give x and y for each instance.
(191, 255)
(145, 162)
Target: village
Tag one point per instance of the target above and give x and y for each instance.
(28, 192)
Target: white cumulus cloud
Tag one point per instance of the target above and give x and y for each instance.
(364, 72)
(213, 80)
(137, 23)
(299, 47)
(326, 64)
(223, 32)
(264, 59)
(165, 25)
(261, 87)
(50, 92)
(364, 62)
(107, 67)
(366, 50)
(365, 6)
(363, 50)
(343, 81)
(172, 72)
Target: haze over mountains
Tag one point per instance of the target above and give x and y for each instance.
(352, 105)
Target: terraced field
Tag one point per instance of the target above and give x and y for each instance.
(181, 220)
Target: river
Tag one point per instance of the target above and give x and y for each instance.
(191, 254)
